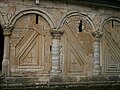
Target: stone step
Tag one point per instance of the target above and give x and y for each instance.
(31, 80)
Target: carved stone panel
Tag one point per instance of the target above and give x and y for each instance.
(30, 46)
(111, 47)
(78, 46)
(74, 65)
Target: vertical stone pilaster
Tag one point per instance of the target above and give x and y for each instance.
(55, 68)
(96, 63)
(5, 64)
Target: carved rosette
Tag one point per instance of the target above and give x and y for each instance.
(55, 68)
(96, 35)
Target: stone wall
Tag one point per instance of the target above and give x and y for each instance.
(93, 51)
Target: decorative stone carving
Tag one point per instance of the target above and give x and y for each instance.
(30, 47)
(7, 29)
(96, 68)
(77, 46)
(111, 47)
(97, 35)
(17, 36)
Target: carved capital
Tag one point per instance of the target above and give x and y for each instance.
(97, 35)
(56, 34)
(7, 29)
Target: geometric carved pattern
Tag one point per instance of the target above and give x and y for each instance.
(77, 46)
(85, 37)
(29, 56)
(74, 66)
(111, 57)
(30, 45)
(73, 63)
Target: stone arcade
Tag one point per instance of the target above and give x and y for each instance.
(42, 39)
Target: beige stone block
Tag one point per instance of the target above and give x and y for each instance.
(29, 2)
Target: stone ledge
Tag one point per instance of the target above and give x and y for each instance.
(64, 86)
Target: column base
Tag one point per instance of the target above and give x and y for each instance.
(5, 68)
(54, 72)
(56, 78)
(96, 72)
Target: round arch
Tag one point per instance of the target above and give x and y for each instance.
(43, 14)
(105, 42)
(108, 19)
(75, 13)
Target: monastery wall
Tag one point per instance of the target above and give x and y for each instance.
(52, 38)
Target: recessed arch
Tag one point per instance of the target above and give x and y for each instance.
(74, 13)
(43, 14)
(109, 19)
(110, 45)
(27, 35)
(72, 38)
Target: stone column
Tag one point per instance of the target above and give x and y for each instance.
(5, 64)
(96, 65)
(55, 68)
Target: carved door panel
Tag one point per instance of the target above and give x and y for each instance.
(30, 46)
(111, 47)
(77, 47)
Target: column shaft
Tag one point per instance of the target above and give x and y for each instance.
(55, 56)
(55, 68)
(6, 64)
(96, 63)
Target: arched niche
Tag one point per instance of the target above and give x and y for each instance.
(77, 45)
(30, 43)
(110, 46)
